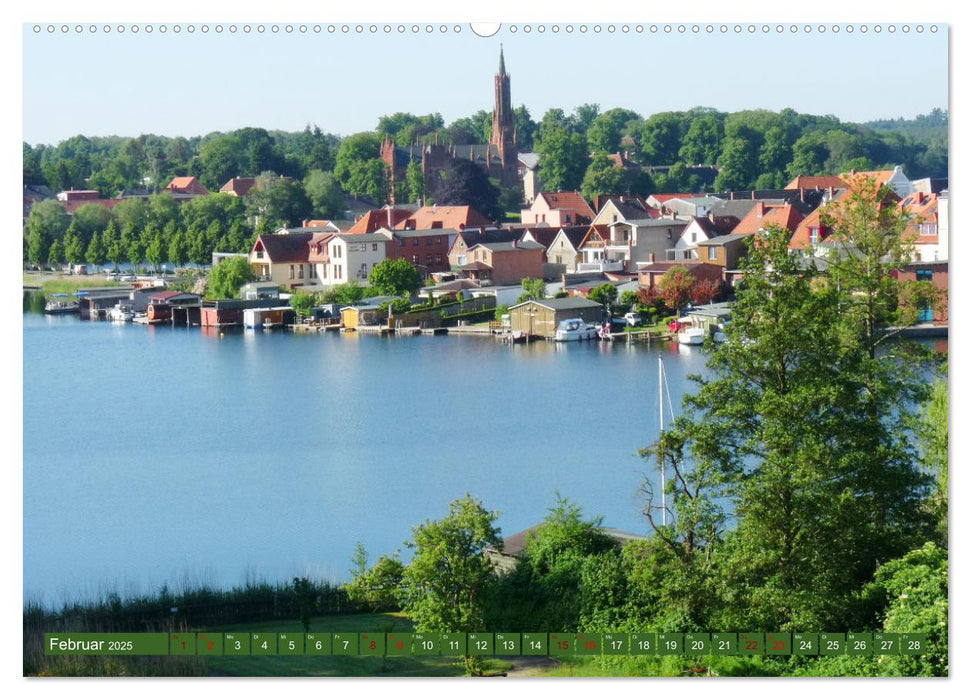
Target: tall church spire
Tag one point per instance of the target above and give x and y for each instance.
(503, 136)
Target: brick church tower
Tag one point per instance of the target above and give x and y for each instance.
(503, 137)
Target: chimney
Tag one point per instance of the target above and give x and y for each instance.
(761, 209)
(802, 194)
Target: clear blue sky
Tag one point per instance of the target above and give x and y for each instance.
(182, 84)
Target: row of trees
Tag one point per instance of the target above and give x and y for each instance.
(753, 148)
(807, 483)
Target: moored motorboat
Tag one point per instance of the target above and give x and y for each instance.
(575, 329)
(121, 313)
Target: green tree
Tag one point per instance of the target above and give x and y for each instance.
(933, 433)
(446, 585)
(605, 294)
(178, 252)
(38, 247)
(563, 158)
(302, 302)
(377, 587)
(90, 218)
(48, 219)
(738, 164)
(603, 136)
(395, 277)
(840, 477)
(155, 251)
(114, 251)
(226, 278)
(55, 254)
(359, 168)
(73, 245)
(532, 289)
(660, 138)
(95, 254)
(702, 142)
(324, 193)
(602, 177)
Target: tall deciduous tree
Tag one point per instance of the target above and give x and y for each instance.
(324, 193)
(563, 158)
(95, 254)
(446, 584)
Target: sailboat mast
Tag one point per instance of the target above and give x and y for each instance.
(660, 454)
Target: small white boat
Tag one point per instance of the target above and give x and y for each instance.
(690, 334)
(121, 313)
(575, 329)
(718, 334)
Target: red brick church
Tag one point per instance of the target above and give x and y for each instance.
(498, 157)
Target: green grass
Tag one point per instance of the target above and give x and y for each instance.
(67, 284)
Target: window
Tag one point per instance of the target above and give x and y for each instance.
(438, 259)
(401, 242)
(670, 233)
(814, 235)
(694, 237)
(337, 251)
(259, 255)
(712, 253)
(428, 259)
(925, 275)
(438, 240)
(291, 272)
(414, 259)
(374, 246)
(566, 218)
(414, 241)
(300, 271)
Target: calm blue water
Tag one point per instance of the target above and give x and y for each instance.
(168, 455)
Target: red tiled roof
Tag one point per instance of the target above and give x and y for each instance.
(762, 215)
(186, 185)
(378, 218)
(881, 177)
(285, 247)
(443, 217)
(568, 201)
(816, 182)
(238, 186)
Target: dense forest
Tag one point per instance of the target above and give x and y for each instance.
(741, 150)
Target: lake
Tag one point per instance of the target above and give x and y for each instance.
(182, 456)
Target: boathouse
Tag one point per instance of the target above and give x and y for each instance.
(540, 317)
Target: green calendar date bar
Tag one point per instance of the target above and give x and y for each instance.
(106, 644)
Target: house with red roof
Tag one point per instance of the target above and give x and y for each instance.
(238, 186)
(558, 209)
(426, 249)
(457, 217)
(763, 215)
(338, 258)
(374, 219)
(72, 200)
(283, 258)
(816, 182)
(186, 188)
